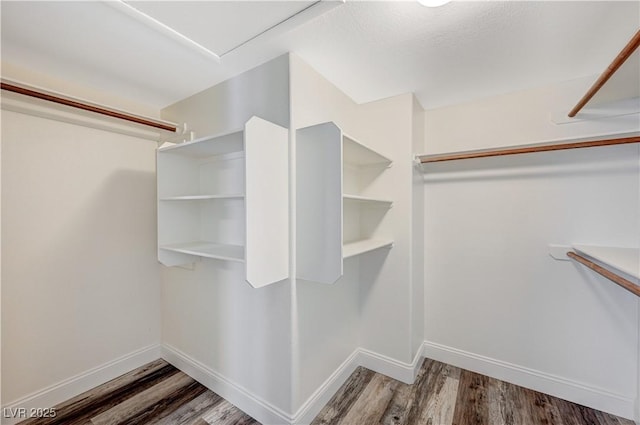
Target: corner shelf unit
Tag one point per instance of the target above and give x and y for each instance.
(336, 217)
(225, 197)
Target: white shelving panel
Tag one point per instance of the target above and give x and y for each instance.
(335, 219)
(352, 249)
(625, 260)
(217, 144)
(385, 203)
(357, 153)
(267, 202)
(225, 197)
(319, 203)
(200, 197)
(208, 250)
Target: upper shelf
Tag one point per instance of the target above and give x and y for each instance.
(625, 260)
(624, 84)
(351, 249)
(619, 265)
(357, 153)
(227, 142)
(619, 81)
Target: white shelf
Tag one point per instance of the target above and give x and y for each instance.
(357, 153)
(201, 197)
(208, 250)
(253, 228)
(335, 173)
(625, 260)
(367, 200)
(351, 249)
(209, 146)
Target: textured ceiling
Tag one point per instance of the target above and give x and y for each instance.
(463, 50)
(371, 50)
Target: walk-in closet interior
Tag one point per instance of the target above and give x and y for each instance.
(320, 212)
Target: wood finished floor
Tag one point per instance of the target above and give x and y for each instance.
(447, 395)
(158, 393)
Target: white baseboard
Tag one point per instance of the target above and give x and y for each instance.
(269, 414)
(314, 404)
(404, 372)
(557, 386)
(71, 387)
(261, 410)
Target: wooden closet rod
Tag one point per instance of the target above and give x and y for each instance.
(86, 107)
(529, 149)
(626, 284)
(611, 69)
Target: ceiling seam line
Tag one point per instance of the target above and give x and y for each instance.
(221, 55)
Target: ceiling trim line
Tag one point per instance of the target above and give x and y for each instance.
(288, 18)
(160, 27)
(313, 10)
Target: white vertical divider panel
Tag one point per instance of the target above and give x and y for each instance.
(175, 175)
(319, 203)
(267, 202)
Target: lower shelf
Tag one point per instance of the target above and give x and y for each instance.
(368, 201)
(208, 250)
(201, 197)
(351, 249)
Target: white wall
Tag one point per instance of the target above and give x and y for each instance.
(370, 307)
(210, 315)
(80, 275)
(1, 267)
(417, 232)
(495, 301)
(281, 343)
(327, 316)
(386, 282)
(262, 91)
(522, 117)
(38, 78)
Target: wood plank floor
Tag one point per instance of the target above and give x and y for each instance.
(158, 393)
(446, 395)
